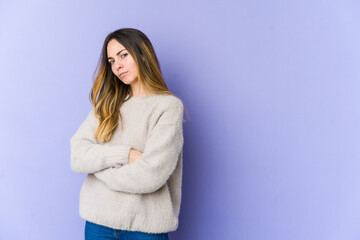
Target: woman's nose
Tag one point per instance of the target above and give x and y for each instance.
(118, 64)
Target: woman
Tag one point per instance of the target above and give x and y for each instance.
(133, 186)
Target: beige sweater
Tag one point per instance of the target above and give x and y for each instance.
(142, 196)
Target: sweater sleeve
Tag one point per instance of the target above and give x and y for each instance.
(89, 156)
(159, 160)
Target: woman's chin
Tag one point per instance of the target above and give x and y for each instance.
(126, 81)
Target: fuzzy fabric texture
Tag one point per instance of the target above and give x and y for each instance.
(142, 196)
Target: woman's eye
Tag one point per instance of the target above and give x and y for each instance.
(122, 56)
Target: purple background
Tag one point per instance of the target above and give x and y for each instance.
(272, 89)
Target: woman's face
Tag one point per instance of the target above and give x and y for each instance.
(121, 62)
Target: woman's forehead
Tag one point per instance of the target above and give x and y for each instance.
(114, 44)
(114, 47)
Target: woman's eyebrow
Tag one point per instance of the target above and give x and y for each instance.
(117, 53)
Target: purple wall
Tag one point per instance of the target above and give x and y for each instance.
(271, 87)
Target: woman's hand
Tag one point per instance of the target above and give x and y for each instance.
(133, 155)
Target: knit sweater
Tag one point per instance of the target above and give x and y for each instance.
(146, 194)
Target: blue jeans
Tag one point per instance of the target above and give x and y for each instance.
(99, 232)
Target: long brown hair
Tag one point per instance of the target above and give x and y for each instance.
(108, 92)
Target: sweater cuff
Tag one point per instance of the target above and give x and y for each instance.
(118, 154)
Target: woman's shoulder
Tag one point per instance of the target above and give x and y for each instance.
(170, 101)
(169, 109)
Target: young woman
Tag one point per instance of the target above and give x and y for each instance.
(130, 145)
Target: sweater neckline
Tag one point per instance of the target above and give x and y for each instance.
(141, 99)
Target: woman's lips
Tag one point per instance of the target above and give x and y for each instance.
(122, 74)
